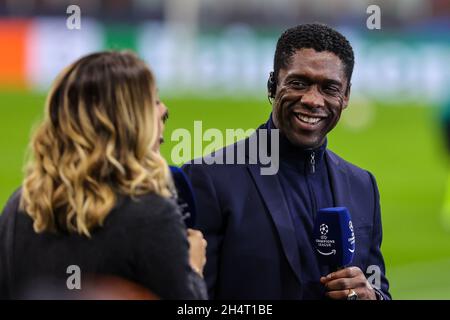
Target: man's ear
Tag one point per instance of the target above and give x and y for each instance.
(346, 96)
(271, 87)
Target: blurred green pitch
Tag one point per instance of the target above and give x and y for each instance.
(400, 146)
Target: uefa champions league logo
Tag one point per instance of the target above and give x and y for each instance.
(323, 229)
(323, 243)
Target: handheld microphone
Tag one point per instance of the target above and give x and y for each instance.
(334, 239)
(185, 199)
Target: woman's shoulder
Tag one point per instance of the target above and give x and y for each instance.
(146, 207)
(145, 202)
(12, 205)
(149, 208)
(8, 217)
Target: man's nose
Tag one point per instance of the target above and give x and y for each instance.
(312, 98)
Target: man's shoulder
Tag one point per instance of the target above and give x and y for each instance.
(236, 157)
(235, 154)
(349, 168)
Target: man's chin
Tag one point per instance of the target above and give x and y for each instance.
(305, 143)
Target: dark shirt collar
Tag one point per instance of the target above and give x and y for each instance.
(296, 154)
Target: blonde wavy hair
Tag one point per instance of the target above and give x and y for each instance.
(95, 143)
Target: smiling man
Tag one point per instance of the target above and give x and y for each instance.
(259, 228)
(311, 89)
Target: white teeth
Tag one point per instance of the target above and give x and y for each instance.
(308, 119)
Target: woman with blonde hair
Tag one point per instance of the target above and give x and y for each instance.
(97, 195)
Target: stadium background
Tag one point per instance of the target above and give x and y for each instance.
(212, 58)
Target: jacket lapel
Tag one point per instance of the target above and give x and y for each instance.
(340, 184)
(272, 195)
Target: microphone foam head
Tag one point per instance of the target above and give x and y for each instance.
(334, 238)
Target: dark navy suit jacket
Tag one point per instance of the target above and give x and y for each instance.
(252, 251)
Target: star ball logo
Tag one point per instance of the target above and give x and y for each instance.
(323, 229)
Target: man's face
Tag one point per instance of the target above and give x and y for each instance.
(311, 94)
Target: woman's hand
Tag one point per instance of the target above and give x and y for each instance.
(197, 250)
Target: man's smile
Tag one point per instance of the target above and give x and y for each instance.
(308, 122)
